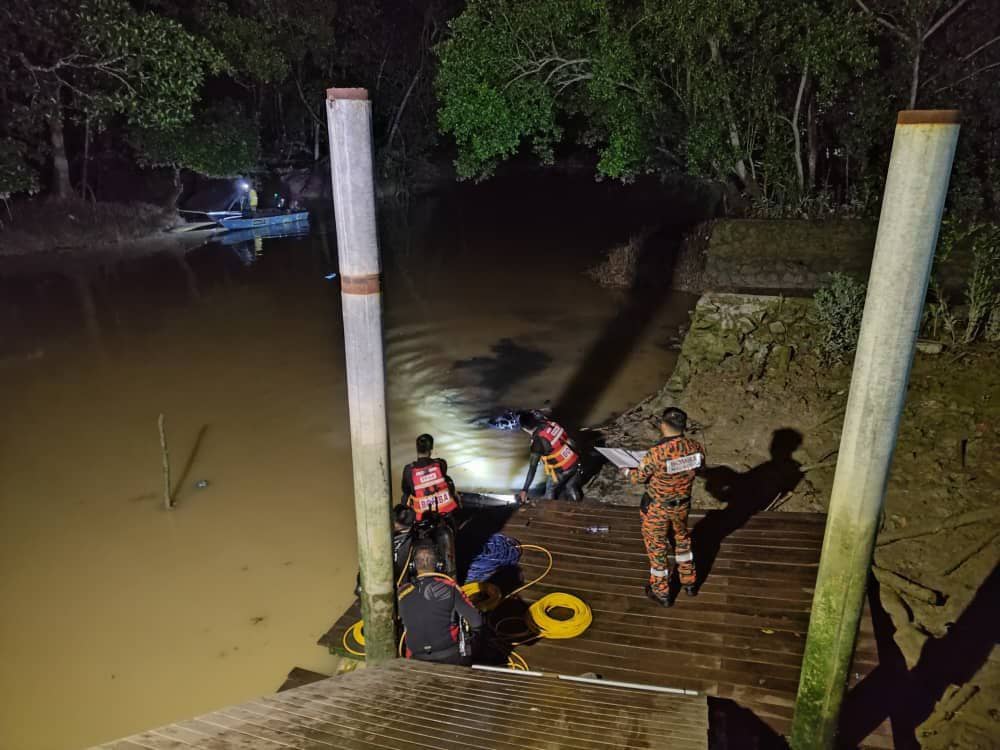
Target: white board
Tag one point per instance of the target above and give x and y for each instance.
(623, 459)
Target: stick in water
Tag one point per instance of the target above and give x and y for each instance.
(168, 502)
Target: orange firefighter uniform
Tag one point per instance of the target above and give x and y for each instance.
(668, 470)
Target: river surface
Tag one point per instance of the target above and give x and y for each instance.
(119, 615)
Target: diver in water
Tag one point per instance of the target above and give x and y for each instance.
(551, 444)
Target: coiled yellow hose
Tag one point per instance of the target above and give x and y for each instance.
(546, 626)
(540, 624)
(357, 632)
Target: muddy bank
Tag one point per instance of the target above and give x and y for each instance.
(770, 414)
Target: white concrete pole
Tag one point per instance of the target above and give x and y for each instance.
(915, 189)
(348, 116)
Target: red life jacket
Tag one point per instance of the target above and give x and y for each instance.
(562, 457)
(430, 490)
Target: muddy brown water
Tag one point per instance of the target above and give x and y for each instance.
(119, 615)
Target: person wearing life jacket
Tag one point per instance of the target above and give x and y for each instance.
(441, 623)
(551, 444)
(426, 484)
(668, 470)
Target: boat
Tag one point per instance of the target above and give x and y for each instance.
(297, 228)
(265, 218)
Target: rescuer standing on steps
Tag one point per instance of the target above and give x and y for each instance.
(551, 444)
(668, 469)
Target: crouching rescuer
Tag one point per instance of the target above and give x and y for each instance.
(551, 444)
(668, 470)
(441, 623)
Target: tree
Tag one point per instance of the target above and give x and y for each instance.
(221, 141)
(724, 89)
(912, 23)
(16, 173)
(100, 59)
(511, 72)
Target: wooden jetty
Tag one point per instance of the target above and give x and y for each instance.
(388, 708)
(741, 639)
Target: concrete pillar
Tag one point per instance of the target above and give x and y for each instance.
(919, 168)
(348, 116)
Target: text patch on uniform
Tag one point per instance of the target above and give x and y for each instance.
(684, 463)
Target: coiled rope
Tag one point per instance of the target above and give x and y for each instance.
(538, 623)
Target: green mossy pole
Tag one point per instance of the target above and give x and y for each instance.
(915, 188)
(348, 116)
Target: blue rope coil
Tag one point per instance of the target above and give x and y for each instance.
(498, 552)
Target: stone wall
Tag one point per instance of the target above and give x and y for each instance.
(783, 255)
(769, 329)
(777, 255)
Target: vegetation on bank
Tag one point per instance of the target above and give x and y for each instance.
(791, 102)
(218, 88)
(840, 303)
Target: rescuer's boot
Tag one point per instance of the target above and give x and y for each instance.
(691, 590)
(663, 601)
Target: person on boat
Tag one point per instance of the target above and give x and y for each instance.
(668, 470)
(426, 484)
(441, 623)
(250, 198)
(551, 444)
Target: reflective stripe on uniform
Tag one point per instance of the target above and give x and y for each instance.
(685, 557)
(657, 572)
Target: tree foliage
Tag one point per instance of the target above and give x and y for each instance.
(788, 100)
(221, 141)
(16, 173)
(97, 60)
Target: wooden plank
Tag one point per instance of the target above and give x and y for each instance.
(742, 637)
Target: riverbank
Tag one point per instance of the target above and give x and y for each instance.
(37, 226)
(769, 411)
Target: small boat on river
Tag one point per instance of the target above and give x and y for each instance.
(269, 217)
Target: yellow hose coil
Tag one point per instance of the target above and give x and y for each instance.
(487, 597)
(542, 624)
(357, 632)
(484, 595)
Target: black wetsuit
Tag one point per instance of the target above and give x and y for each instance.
(428, 607)
(566, 480)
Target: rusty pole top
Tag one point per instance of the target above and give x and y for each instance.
(335, 94)
(926, 117)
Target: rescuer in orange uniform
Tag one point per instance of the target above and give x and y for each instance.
(551, 444)
(668, 470)
(426, 484)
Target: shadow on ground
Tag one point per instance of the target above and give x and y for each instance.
(908, 698)
(745, 494)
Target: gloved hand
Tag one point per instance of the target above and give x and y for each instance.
(645, 503)
(522, 497)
